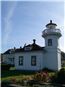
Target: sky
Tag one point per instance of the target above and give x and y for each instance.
(23, 21)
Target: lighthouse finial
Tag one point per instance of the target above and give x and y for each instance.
(50, 21)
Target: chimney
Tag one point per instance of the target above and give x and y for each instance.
(20, 47)
(34, 41)
(14, 48)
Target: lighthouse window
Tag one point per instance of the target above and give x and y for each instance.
(49, 42)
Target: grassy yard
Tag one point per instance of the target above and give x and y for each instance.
(17, 74)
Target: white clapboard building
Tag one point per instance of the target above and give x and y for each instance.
(35, 57)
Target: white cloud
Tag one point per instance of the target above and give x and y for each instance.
(8, 23)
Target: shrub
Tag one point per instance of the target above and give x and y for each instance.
(47, 70)
(5, 66)
(13, 80)
(5, 83)
(42, 76)
(59, 77)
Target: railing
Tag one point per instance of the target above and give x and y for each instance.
(51, 31)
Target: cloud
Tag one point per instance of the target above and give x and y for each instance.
(8, 22)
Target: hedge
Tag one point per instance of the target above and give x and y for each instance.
(5, 66)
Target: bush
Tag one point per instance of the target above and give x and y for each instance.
(42, 76)
(59, 77)
(5, 83)
(5, 66)
(47, 70)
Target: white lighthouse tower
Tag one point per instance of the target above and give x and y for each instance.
(53, 56)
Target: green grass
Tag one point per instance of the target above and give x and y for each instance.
(64, 67)
(51, 73)
(12, 68)
(17, 74)
(17, 78)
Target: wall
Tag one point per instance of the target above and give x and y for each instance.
(53, 59)
(6, 58)
(27, 60)
(53, 56)
(59, 58)
(55, 41)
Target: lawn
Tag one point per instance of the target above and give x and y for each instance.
(17, 74)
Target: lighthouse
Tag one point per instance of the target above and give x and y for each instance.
(33, 56)
(53, 56)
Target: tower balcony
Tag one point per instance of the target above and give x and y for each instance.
(47, 32)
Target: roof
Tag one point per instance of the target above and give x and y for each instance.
(51, 23)
(27, 48)
(9, 51)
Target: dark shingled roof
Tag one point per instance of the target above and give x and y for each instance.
(9, 51)
(33, 47)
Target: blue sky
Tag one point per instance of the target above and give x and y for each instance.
(23, 21)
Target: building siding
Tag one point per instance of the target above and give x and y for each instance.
(27, 61)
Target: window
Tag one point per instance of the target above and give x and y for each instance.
(28, 48)
(49, 42)
(33, 60)
(20, 60)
